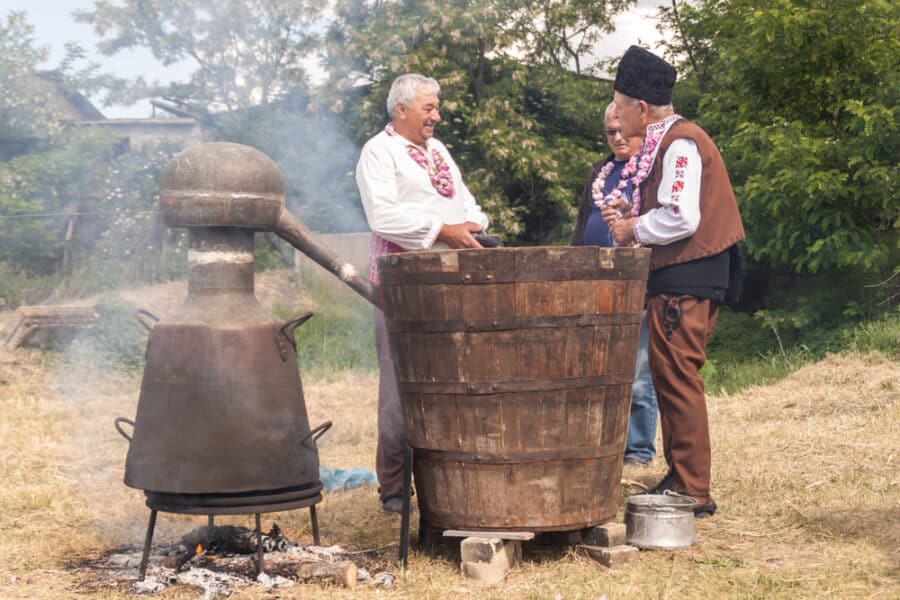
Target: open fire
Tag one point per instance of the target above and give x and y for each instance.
(225, 561)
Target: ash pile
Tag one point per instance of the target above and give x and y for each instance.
(220, 560)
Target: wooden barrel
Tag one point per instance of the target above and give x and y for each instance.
(515, 368)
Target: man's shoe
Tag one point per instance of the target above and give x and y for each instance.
(669, 483)
(393, 504)
(703, 509)
(631, 461)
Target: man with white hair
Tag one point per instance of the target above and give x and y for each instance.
(414, 199)
(609, 179)
(685, 211)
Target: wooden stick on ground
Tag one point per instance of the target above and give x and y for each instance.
(632, 482)
(343, 572)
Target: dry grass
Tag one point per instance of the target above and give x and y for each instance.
(805, 473)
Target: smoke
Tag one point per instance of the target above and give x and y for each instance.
(316, 156)
(123, 244)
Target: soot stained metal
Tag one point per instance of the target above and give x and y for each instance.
(221, 424)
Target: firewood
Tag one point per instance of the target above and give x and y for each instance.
(343, 572)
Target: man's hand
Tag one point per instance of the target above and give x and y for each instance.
(615, 211)
(616, 214)
(622, 231)
(459, 235)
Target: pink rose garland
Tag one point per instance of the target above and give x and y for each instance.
(438, 170)
(645, 162)
(600, 182)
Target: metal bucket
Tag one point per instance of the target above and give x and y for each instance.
(660, 521)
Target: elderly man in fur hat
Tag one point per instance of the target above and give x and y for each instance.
(685, 211)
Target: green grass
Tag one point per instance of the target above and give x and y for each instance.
(117, 338)
(339, 336)
(745, 350)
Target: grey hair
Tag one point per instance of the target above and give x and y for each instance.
(659, 111)
(609, 109)
(405, 88)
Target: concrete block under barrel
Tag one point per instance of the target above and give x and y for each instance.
(515, 368)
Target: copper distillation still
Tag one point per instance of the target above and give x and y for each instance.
(221, 425)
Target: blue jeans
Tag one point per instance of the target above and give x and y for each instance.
(641, 443)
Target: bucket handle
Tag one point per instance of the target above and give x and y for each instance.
(316, 433)
(140, 313)
(118, 424)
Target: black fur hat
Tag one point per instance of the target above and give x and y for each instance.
(645, 76)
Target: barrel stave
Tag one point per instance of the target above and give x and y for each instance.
(515, 370)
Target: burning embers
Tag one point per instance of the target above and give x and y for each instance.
(219, 560)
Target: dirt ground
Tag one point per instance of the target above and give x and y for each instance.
(805, 472)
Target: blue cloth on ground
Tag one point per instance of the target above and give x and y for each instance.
(345, 479)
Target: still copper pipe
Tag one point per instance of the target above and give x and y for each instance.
(290, 229)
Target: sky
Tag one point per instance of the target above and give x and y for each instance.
(54, 26)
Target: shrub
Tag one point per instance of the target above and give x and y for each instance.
(116, 340)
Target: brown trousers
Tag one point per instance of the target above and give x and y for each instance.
(391, 430)
(680, 327)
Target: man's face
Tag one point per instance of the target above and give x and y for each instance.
(416, 122)
(632, 117)
(621, 146)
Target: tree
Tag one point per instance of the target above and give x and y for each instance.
(802, 97)
(249, 86)
(71, 202)
(523, 127)
(27, 112)
(246, 52)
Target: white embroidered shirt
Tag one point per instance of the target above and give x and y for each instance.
(400, 202)
(678, 215)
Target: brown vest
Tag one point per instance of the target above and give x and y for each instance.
(720, 222)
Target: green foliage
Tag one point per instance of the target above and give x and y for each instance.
(249, 87)
(80, 185)
(18, 287)
(245, 53)
(802, 98)
(508, 101)
(129, 240)
(117, 339)
(747, 350)
(882, 336)
(340, 335)
(74, 209)
(26, 108)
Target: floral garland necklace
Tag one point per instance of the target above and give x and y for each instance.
(437, 168)
(618, 190)
(654, 136)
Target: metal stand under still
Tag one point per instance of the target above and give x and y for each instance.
(151, 525)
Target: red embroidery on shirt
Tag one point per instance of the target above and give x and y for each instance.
(681, 162)
(678, 185)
